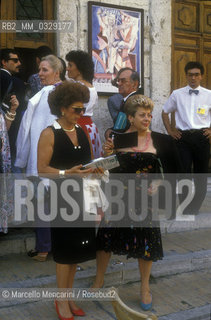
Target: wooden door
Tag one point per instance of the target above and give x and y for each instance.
(25, 43)
(191, 40)
(26, 10)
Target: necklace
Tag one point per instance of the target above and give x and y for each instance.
(147, 141)
(69, 130)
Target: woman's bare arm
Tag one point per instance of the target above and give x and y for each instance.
(45, 152)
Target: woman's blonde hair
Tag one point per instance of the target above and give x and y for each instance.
(54, 63)
(136, 101)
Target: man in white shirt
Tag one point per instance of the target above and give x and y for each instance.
(192, 107)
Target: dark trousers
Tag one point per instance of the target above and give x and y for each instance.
(42, 229)
(194, 150)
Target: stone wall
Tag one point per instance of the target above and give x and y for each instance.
(157, 49)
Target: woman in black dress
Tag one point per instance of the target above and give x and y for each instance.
(62, 150)
(151, 156)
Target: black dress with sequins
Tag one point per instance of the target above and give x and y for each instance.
(134, 240)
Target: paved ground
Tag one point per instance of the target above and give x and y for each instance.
(178, 296)
(180, 283)
(177, 246)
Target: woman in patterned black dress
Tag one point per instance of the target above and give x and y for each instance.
(151, 153)
(62, 150)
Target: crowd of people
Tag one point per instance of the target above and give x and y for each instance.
(54, 134)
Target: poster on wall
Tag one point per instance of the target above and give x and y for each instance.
(115, 40)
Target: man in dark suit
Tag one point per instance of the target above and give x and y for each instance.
(114, 103)
(10, 66)
(127, 81)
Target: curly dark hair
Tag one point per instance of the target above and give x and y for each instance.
(66, 94)
(83, 62)
(5, 54)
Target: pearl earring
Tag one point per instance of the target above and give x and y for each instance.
(62, 113)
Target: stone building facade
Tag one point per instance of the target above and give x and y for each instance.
(157, 50)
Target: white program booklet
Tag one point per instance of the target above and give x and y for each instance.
(107, 163)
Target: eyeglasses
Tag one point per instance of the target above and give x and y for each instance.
(78, 110)
(14, 59)
(145, 115)
(123, 80)
(191, 75)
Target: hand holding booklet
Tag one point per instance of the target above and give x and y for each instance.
(125, 139)
(107, 163)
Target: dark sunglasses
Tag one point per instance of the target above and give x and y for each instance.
(14, 59)
(78, 110)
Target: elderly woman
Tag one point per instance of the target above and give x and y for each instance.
(141, 242)
(36, 118)
(81, 68)
(62, 150)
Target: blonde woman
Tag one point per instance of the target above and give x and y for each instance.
(150, 156)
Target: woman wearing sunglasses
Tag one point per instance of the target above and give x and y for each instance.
(81, 68)
(154, 153)
(62, 150)
(36, 118)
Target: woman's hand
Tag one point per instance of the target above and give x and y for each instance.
(108, 146)
(97, 173)
(153, 188)
(10, 114)
(78, 170)
(14, 103)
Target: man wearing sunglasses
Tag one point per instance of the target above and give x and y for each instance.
(10, 84)
(10, 65)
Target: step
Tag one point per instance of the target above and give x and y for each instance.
(18, 240)
(184, 252)
(176, 297)
(21, 240)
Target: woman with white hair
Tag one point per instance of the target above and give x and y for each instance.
(36, 118)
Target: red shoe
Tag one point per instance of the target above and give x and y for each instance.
(78, 312)
(59, 315)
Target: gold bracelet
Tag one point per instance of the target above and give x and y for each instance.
(9, 118)
(109, 153)
(11, 114)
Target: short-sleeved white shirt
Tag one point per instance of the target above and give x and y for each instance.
(191, 111)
